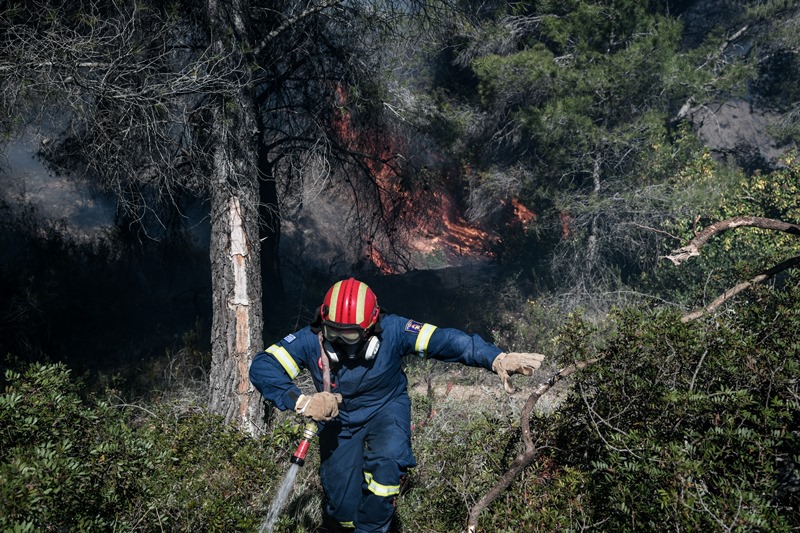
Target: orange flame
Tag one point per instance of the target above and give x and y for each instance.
(380, 262)
(565, 231)
(522, 213)
(442, 228)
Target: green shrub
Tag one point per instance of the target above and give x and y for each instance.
(71, 463)
(459, 458)
(690, 427)
(58, 468)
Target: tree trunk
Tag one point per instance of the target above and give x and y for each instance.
(237, 321)
(591, 252)
(269, 227)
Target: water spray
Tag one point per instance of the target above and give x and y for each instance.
(297, 460)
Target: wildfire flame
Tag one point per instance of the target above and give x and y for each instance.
(565, 220)
(430, 219)
(521, 213)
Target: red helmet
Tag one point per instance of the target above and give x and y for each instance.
(350, 303)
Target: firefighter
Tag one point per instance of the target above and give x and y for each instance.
(354, 354)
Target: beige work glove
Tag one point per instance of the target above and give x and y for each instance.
(506, 364)
(320, 407)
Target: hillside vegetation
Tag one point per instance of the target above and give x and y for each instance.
(566, 137)
(678, 425)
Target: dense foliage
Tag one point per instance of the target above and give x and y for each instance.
(678, 427)
(684, 426)
(732, 256)
(694, 427)
(580, 108)
(72, 462)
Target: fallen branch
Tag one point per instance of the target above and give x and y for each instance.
(524, 458)
(700, 239)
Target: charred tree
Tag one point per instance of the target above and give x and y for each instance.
(230, 103)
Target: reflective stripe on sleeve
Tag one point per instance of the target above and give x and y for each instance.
(285, 360)
(350, 524)
(378, 489)
(421, 347)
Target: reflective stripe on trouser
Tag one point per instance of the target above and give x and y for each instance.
(361, 470)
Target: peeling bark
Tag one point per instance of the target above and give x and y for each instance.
(237, 321)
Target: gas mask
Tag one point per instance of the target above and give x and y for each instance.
(365, 349)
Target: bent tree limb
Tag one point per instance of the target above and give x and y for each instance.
(524, 458)
(733, 291)
(692, 249)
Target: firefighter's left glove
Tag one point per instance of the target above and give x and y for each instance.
(320, 407)
(506, 364)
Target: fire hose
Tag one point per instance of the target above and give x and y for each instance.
(298, 458)
(310, 430)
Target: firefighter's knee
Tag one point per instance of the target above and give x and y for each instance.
(389, 488)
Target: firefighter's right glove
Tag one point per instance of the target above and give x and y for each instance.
(320, 407)
(506, 364)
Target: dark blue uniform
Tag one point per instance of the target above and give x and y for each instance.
(367, 448)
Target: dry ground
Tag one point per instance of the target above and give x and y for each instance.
(455, 385)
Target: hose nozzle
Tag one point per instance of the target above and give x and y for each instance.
(299, 456)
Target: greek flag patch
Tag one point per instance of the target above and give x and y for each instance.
(288, 339)
(412, 326)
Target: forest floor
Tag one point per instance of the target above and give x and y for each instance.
(463, 386)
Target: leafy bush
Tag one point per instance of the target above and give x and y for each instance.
(678, 427)
(71, 463)
(459, 455)
(735, 255)
(691, 427)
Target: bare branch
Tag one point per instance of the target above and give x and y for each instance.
(691, 101)
(524, 458)
(693, 248)
(294, 20)
(656, 230)
(700, 239)
(730, 293)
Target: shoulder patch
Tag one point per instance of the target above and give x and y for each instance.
(288, 339)
(412, 326)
